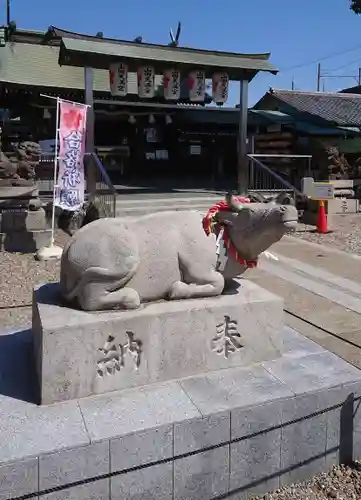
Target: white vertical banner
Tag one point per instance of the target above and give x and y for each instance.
(197, 86)
(146, 82)
(69, 193)
(172, 84)
(220, 84)
(118, 79)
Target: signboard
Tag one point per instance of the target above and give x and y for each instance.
(344, 205)
(197, 86)
(172, 84)
(323, 191)
(151, 134)
(146, 77)
(195, 149)
(69, 192)
(220, 82)
(274, 128)
(307, 186)
(118, 79)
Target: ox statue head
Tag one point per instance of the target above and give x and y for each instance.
(254, 227)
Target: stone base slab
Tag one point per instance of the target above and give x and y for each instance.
(81, 353)
(233, 433)
(332, 207)
(343, 206)
(16, 220)
(24, 241)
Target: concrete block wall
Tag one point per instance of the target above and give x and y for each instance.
(229, 434)
(234, 454)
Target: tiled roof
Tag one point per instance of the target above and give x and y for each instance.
(352, 90)
(264, 116)
(37, 65)
(337, 108)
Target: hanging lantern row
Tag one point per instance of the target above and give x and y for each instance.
(118, 79)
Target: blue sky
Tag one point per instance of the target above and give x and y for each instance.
(295, 33)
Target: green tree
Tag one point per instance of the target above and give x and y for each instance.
(356, 6)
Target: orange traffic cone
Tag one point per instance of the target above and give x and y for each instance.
(322, 219)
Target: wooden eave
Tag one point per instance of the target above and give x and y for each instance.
(100, 52)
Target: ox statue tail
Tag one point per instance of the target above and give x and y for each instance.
(99, 274)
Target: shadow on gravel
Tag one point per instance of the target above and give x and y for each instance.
(17, 366)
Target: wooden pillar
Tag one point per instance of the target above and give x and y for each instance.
(89, 141)
(242, 158)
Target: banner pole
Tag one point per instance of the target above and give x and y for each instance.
(64, 100)
(53, 251)
(56, 159)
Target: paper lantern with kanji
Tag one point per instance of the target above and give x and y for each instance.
(172, 84)
(220, 83)
(146, 82)
(118, 79)
(197, 86)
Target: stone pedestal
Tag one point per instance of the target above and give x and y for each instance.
(81, 353)
(23, 224)
(22, 230)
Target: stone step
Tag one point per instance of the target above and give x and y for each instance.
(316, 309)
(340, 345)
(138, 211)
(173, 201)
(315, 284)
(326, 257)
(321, 305)
(323, 276)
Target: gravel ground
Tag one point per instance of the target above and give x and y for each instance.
(345, 235)
(18, 274)
(341, 483)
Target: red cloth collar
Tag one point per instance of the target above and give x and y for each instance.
(208, 222)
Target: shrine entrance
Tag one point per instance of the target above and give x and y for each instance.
(181, 148)
(174, 68)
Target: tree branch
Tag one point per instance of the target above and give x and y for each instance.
(356, 6)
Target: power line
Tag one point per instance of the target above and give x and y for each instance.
(346, 65)
(324, 75)
(314, 61)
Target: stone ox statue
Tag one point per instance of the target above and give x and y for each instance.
(120, 263)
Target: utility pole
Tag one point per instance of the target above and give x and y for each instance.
(8, 16)
(318, 77)
(322, 76)
(293, 83)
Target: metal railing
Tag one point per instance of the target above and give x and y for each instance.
(264, 180)
(104, 192)
(45, 174)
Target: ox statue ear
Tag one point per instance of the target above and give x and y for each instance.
(233, 203)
